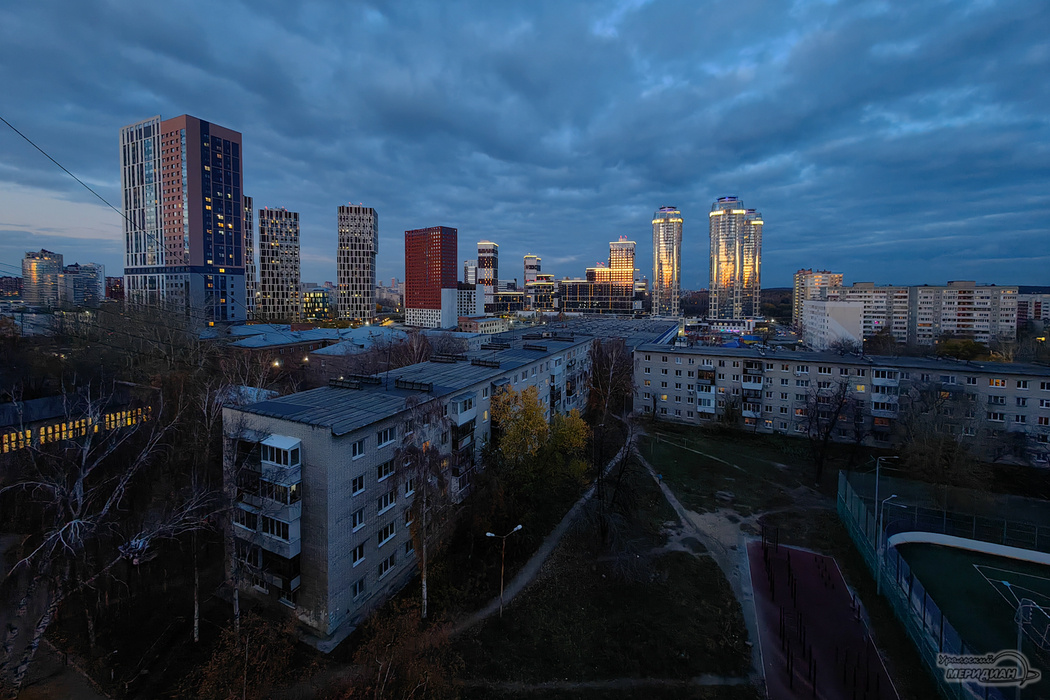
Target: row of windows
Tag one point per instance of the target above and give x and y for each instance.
(69, 430)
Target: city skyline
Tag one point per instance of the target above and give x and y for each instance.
(798, 115)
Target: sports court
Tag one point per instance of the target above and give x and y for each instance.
(979, 595)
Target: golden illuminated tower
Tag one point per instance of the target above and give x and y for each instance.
(667, 261)
(736, 257)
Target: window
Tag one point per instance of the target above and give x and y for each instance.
(800, 397)
(663, 358)
(1020, 419)
(678, 385)
(358, 588)
(663, 370)
(783, 396)
(678, 373)
(384, 470)
(357, 449)
(410, 486)
(994, 416)
(386, 534)
(646, 371)
(971, 381)
(357, 485)
(678, 360)
(645, 395)
(997, 400)
(801, 369)
(1044, 386)
(357, 554)
(784, 381)
(281, 493)
(1044, 420)
(1022, 401)
(801, 382)
(357, 520)
(1044, 403)
(1022, 383)
(385, 437)
(861, 388)
(823, 370)
(663, 385)
(408, 548)
(996, 382)
(387, 564)
(409, 518)
(275, 528)
(386, 501)
(648, 383)
(246, 519)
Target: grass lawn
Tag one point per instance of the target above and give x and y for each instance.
(599, 614)
(771, 468)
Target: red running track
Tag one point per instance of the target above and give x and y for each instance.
(814, 644)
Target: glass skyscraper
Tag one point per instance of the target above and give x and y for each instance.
(736, 259)
(667, 261)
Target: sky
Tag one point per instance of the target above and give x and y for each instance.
(895, 142)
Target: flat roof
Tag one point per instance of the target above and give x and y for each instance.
(346, 410)
(933, 364)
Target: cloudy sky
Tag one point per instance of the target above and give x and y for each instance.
(896, 142)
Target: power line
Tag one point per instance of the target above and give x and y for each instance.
(64, 169)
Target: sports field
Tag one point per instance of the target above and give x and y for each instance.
(977, 593)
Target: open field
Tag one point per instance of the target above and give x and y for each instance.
(771, 479)
(632, 611)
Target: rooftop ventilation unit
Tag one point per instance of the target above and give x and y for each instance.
(400, 383)
(344, 383)
(480, 362)
(366, 378)
(531, 346)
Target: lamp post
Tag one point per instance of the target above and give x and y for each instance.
(502, 559)
(879, 539)
(878, 467)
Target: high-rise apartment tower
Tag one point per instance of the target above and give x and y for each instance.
(736, 257)
(40, 272)
(430, 267)
(183, 217)
(251, 271)
(532, 267)
(667, 261)
(811, 285)
(621, 261)
(356, 261)
(278, 265)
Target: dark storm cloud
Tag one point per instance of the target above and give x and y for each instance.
(896, 142)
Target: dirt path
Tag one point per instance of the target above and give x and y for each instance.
(532, 567)
(727, 545)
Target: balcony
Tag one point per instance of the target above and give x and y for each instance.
(892, 378)
(884, 413)
(750, 381)
(706, 405)
(705, 377)
(751, 410)
(463, 408)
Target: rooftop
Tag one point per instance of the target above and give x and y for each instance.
(344, 410)
(933, 364)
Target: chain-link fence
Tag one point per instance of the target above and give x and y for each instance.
(930, 508)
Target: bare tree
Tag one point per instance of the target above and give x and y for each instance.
(831, 411)
(941, 431)
(423, 470)
(611, 390)
(77, 499)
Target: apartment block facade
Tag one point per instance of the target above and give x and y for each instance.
(356, 261)
(324, 515)
(786, 391)
(811, 285)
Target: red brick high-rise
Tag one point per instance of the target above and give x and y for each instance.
(430, 265)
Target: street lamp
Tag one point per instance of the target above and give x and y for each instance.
(878, 467)
(502, 559)
(879, 539)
